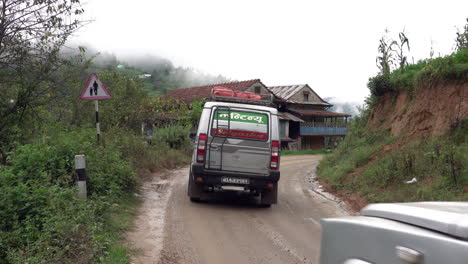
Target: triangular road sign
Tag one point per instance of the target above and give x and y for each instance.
(94, 89)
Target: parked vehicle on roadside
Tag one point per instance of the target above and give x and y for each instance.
(423, 232)
(237, 147)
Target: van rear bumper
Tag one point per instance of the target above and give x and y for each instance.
(213, 177)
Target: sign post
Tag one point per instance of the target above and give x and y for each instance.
(98, 128)
(95, 90)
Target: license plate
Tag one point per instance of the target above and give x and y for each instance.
(235, 180)
(233, 188)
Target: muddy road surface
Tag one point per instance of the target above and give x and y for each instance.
(231, 228)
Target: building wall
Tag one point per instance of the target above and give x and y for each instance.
(312, 142)
(284, 125)
(299, 96)
(263, 88)
(320, 129)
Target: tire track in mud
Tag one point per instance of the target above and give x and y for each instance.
(172, 230)
(145, 238)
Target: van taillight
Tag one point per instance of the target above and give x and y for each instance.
(275, 153)
(201, 148)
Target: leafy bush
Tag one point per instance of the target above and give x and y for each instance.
(452, 67)
(174, 136)
(55, 152)
(380, 85)
(405, 78)
(155, 154)
(41, 218)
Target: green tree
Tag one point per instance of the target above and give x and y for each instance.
(31, 35)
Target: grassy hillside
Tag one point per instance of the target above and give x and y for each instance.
(381, 162)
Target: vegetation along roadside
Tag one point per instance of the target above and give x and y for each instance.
(44, 124)
(410, 142)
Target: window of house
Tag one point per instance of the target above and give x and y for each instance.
(306, 97)
(257, 89)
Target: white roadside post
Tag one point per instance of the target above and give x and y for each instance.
(80, 168)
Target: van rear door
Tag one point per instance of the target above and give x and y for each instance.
(239, 140)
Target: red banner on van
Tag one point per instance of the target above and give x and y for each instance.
(239, 134)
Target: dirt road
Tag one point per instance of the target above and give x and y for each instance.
(233, 229)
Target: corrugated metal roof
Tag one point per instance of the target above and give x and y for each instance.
(287, 91)
(288, 116)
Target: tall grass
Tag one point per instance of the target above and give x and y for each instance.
(353, 152)
(438, 165)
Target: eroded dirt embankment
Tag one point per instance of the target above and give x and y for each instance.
(432, 110)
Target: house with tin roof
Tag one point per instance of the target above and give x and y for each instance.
(305, 122)
(318, 128)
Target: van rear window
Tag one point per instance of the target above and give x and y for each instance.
(240, 124)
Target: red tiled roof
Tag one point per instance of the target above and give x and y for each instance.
(201, 92)
(318, 113)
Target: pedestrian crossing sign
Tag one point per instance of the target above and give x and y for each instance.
(94, 89)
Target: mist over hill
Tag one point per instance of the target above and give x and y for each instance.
(341, 106)
(160, 74)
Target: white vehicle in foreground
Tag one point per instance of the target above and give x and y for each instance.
(416, 233)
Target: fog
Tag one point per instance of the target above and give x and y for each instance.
(330, 45)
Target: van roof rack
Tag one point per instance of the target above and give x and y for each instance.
(223, 94)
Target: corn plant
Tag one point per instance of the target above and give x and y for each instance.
(461, 41)
(385, 59)
(402, 59)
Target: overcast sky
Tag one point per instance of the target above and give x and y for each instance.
(330, 45)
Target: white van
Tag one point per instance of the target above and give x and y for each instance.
(237, 147)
